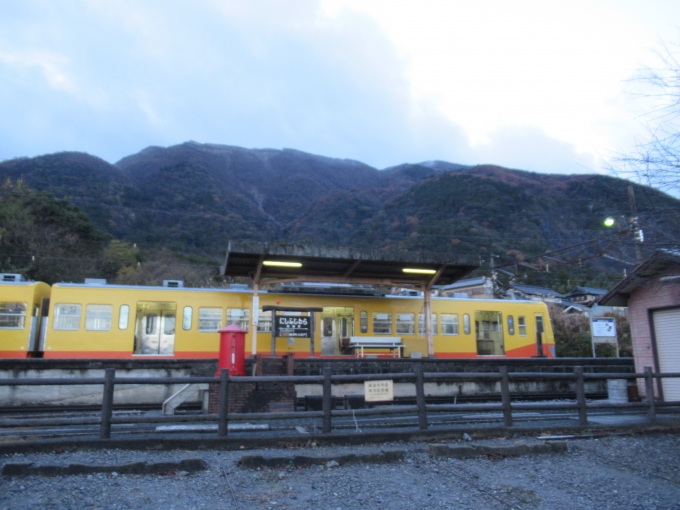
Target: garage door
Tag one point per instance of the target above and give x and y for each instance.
(667, 329)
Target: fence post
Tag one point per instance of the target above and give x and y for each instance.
(327, 401)
(223, 424)
(420, 397)
(505, 396)
(581, 397)
(649, 390)
(107, 403)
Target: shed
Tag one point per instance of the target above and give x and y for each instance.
(652, 293)
(277, 263)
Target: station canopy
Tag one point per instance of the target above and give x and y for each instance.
(278, 262)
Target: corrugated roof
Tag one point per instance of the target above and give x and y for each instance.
(332, 264)
(538, 291)
(587, 290)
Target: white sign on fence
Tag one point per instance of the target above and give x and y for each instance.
(378, 391)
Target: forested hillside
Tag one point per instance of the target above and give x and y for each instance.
(191, 199)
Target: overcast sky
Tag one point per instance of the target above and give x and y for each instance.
(538, 85)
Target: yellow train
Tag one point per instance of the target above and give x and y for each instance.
(99, 320)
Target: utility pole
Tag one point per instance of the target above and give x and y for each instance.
(638, 236)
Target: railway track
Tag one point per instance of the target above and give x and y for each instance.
(9, 430)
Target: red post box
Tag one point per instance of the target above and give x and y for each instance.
(232, 350)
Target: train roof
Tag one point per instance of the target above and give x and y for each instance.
(279, 293)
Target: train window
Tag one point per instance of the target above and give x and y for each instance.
(12, 315)
(98, 317)
(67, 317)
(522, 325)
(238, 316)
(209, 319)
(539, 324)
(363, 322)
(406, 323)
(327, 327)
(151, 324)
(511, 325)
(187, 318)
(264, 322)
(169, 324)
(466, 324)
(421, 323)
(449, 324)
(123, 317)
(382, 323)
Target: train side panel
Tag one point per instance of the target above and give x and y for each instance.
(109, 321)
(127, 322)
(20, 317)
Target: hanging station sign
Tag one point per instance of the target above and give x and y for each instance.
(293, 326)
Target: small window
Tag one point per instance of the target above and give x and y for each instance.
(187, 318)
(343, 327)
(466, 324)
(12, 315)
(363, 322)
(511, 325)
(264, 322)
(123, 317)
(522, 325)
(67, 317)
(449, 324)
(421, 323)
(406, 324)
(209, 319)
(238, 316)
(382, 323)
(539, 324)
(98, 317)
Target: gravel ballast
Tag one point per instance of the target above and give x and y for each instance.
(614, 472)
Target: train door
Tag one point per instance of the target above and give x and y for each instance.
(489, 332)
(539, 334)
(337, 325)
(34, 331)
(155, 328)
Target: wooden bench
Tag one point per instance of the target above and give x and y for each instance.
(357, 344)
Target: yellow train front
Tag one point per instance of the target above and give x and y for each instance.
(22, 304)
(98, 320)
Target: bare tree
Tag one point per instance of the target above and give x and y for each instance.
(655, 161)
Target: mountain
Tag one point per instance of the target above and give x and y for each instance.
(194, 197)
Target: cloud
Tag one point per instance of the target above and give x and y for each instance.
(110, 77)
(529, 148)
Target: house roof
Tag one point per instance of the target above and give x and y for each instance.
(661, 260)
(586, 290)
(469, 282)
(536, 291)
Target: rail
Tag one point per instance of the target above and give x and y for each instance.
(327, 379)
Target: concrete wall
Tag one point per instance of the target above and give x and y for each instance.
(461, 389)
(92, 395)
(156, 394)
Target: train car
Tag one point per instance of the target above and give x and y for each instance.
(22, 304)
(97, 320)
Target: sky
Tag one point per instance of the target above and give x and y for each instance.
(535, 85)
